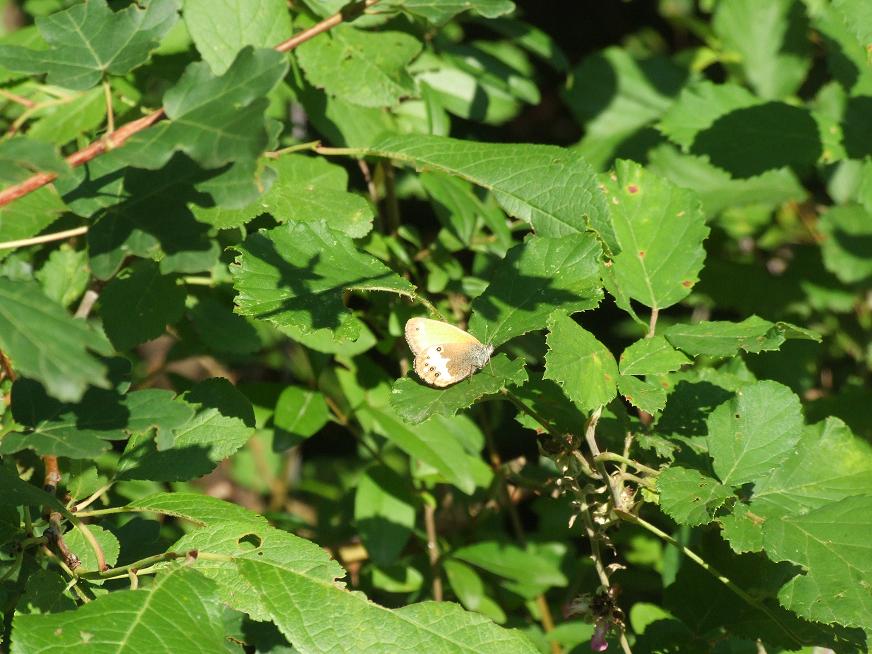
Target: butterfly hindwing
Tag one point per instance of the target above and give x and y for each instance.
(444, 364)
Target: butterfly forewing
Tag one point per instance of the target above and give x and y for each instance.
(443, 353)
(421, 333)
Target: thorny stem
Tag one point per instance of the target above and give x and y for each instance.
(433, 549)
(696, 558)
(616, 489)
(120, 136)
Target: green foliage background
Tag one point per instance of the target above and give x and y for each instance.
(659, 213)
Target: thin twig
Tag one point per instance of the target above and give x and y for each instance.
(110, 112)
(120, 136)
(433, 549)
(52, 473)
(44, 238)
(6, 367)
(24, 102)
(87, 303)
(90, 500)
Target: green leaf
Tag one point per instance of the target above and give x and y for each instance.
(221, 28)
(180, 610)
(441, 11)
(546, 398)
(551, 188)
(690, 497)
(85, 551)
(415, 402)
(847, 244)
(857, 15)
(22, 157)
(532, 39)
(81, 431)
(29, 215)
(65, 275)
(45, 593)
(358, 625)
(699, 106)
(296, 274)
(617, 97)
(200, 509)
(660, 229)
(301, 412)
(582, 365)
(252, 541)
(771, 39)
(828, 465)
(651, 356)
(512, 562)
(222, 423)
(832, 545)
(427, 442)
(46, 343)
(384, 510)
(221, 329)
(139, 303)
(754, 433)
(724, 338)
(89, 41)
(63, 123)
(14, 491)
(470, 590)
(309, 189)
(213, 120)
(535, 278)
(645, 395)
(365, 68)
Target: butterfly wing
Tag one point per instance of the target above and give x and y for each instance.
(422, 333)
(445, 364)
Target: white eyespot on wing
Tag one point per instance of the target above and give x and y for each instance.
(432, 367)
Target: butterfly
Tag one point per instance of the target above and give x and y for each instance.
(444, 354)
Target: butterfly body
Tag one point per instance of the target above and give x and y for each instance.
(444, 354)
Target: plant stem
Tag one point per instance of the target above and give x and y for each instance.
(696, 558)
(93, 497)
(616, 490)
(433, 549)
(276, 154)
(110, 112)
(392, 206)
(652, 323)
(45, 238)
(618, 458)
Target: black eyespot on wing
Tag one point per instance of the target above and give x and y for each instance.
(439, 349)
(436, 375)
(432, 368)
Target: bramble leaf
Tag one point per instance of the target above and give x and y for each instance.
(440, 11)
(582, 365)
(752, 434)
(138, 304)
(300, 412)
(645, 395)
(553, 189)
(215, 120)
(651, 356)
(89, 41)
(535, 278)
(724, 338)
(700, 105)
(46, 343)
(133, 619)
(364, 68)
(221, 28)
(847, 244)
(660, 229)
(414, 401)
(832, 545)
(690, 497)
(296, 275)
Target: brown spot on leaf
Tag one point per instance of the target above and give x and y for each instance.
(641, 254)
(687, 283)
(632, 189)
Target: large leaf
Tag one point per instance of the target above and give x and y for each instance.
(752, 434)
(857, 15)
(46, 343)
(660, 229)
(414, 402)
(296, 275)
(582, 365)
(829, 464)
(724, 338)
(214, 120)
(690, 497)
(82, 431)
(89, 41)
(536, 277)
(139, 303)
(430, 442)
(180, 612)
(309, 189)
(222, 423)
(221, 28)
(365, 68)
(200, 509)
(771, 39)
(832, 545)
(553, 189)
(440, 11)
(354, 624)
